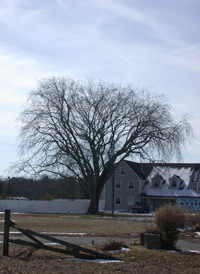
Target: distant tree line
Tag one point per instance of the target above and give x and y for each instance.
(56, 188)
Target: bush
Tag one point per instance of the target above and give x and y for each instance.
(46, 197)
(197, 227)
(192, 220)
(113, 245)
(168, 220)
(197, 218)
(3, 195)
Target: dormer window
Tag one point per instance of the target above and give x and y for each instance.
(156, 182)
(174, 182)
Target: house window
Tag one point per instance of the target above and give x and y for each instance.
(156, 183)
(117, 185)
(130, 200)
(174, 184)
(117, 200)
(130, 185)
(122, 170)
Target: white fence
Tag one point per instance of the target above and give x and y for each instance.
(56, 206)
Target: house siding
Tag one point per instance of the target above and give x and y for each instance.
(124, 192)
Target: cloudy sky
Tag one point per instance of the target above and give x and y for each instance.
(146, 43)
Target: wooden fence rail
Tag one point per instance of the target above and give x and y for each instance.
(71, 249)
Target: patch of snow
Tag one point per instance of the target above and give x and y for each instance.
(52, 244)
(171, 251)
(124, 249)
(198, 233)
(194, 251)
(100, 261)
(64, 233)
(70, 216)
(11, 232)
(121, 249)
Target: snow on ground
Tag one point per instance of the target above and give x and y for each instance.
(101, 261)
(64, 233)
(194, 251)
(11, 232)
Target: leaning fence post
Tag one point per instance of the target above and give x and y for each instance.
(6, 232)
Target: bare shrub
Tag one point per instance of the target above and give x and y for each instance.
(113, 245)
(168, 220)
(197, 227)
(192, 219)
(197, 217)
(189, 218)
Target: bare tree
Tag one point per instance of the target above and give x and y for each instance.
(80, 129)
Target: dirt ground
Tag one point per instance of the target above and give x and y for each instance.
(136, 260)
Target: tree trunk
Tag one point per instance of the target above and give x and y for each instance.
(93, 206)
(94, 200)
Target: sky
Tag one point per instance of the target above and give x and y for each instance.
(149, 44)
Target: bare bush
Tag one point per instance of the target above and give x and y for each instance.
(197, 227)
(168, 220)
(113, 245)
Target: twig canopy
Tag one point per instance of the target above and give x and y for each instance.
(81, 129)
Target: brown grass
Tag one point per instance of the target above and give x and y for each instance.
(91, 225)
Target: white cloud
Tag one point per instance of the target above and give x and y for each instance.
(15, 76)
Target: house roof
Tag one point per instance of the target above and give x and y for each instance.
(147, 167)
(137, 169)
(186, 173)
(168, 192)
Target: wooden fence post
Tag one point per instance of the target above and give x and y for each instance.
(6, 232)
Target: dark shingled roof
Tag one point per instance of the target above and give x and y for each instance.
(136, 167)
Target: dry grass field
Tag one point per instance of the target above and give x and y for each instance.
(135, 260)
(124, 226)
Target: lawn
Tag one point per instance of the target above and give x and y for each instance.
(96, 225)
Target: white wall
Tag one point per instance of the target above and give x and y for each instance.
(57, 206)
